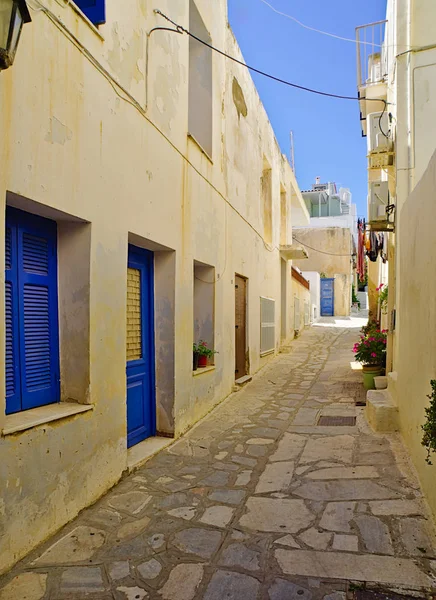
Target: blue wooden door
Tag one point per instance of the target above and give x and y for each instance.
(327, 297)
(140, 346)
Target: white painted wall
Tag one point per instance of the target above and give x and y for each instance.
(314, 279)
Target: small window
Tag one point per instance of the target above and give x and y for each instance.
(95, 10)
(204, 305)
(31, 303)
(266, 188)
(267, 325)
(200, 82)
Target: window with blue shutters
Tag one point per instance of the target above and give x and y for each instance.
(95, 10)
(31, 307)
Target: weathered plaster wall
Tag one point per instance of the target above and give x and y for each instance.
(315, 293)
(303, 294)
(113, 167)
(334, 259)
(342, 298)
(415, 359)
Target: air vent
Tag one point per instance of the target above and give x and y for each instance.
(327, 421)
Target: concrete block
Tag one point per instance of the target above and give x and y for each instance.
(381, 382)
(381, 412)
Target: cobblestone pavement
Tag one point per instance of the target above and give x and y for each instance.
(257, 502)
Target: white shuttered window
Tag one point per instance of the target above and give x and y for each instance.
(267, 325)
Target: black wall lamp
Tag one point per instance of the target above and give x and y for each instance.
(13, 15)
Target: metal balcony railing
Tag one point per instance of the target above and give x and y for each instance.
(371, 53)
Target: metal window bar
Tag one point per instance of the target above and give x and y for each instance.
(371, 53)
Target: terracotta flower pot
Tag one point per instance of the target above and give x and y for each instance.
(202, 360)
(369, 372)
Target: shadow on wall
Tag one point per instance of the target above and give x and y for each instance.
(416, 319)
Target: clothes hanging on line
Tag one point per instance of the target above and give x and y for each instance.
(361, 233)
(376, 243)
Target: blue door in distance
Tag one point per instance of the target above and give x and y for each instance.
(327, 298)
(140, 346)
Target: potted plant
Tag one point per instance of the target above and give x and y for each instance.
(370, 350)
(204, 353)
(429, 427)
(195, 356)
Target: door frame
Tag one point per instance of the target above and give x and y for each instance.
(332, 279)
(246, 363)
(145, 257)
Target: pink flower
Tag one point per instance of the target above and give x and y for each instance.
(374, 355)
(379, 287)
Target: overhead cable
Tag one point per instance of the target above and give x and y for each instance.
(180, 29)
(320, 251)
(338, 37)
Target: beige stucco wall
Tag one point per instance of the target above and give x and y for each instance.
(411, 97)
(333, 259)
(415, 358)
(116, 163)
(412, 100)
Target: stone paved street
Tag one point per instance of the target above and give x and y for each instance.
(256, 502)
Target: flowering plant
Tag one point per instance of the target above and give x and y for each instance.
(371, 349)
(370, 327)
(383, 297)
(202, 350)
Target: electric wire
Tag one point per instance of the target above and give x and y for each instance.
(179, 29)
(127, 97)
(380, 120)
(320, 251)
(338, 37)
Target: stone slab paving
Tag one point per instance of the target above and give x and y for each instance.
(257, 502)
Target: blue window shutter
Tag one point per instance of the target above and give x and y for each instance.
(38, 311)
(12, 373)
(95, 10)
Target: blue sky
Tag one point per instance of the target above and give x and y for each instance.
(327, 137)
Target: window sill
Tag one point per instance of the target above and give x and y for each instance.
(202, 370)
(27, 419)
(90, 24)
(197, 143)
(267, 353)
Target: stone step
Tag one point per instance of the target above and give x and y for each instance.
(381, 412)
(243, 380)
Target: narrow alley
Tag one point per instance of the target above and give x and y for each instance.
(277, 494)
